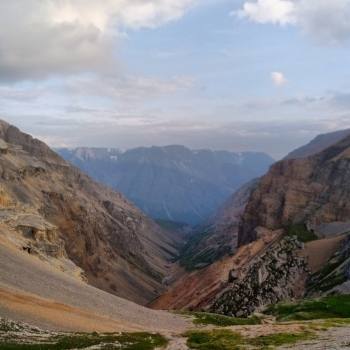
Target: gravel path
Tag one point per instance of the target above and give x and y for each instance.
(177, 344)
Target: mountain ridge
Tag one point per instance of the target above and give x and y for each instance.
(318, 144)
(172, 182)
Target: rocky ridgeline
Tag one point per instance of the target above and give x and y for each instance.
(278, 274)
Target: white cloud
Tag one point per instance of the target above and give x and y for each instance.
(278, 78)
(39, 38)
(269, 11)
(325, 20)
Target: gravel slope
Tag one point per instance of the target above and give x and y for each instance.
(22, 273)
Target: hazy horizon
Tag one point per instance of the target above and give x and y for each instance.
(237, 75)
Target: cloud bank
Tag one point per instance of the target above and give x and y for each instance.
(41, 38)
(327, 21)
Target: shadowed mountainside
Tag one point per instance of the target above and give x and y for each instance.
(171, 183)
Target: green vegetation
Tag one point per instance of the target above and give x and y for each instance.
(170, 225)
(301, 232)
(123, 341)
(196, 254)
(213, 340)
(228, 340)
(279, 339)
(189, 257)
(337, 306)
(205, 318)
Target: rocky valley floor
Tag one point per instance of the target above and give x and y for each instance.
(316, 335)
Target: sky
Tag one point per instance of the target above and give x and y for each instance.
(239, 75)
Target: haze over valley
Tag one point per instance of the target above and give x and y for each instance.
(171, 183)
(174, 175)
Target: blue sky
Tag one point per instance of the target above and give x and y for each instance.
(259, 75)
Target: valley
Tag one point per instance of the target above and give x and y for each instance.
(171, 183)
(174, 175)
(82, 267)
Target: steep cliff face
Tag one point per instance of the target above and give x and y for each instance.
(312, 191)
(58, 211)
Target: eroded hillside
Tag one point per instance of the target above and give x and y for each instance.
(52, 210)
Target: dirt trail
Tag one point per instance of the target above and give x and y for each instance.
(177, 344)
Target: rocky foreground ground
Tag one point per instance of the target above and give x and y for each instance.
(314, 335)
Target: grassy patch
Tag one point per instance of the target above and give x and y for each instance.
(190, 256)
(196, 255)
(323, 325)
(279, 339)
(227, 340)
(170, 225)
(325, 308)
(214, 340)
(205, 318)
(301, 232)
(124, 341)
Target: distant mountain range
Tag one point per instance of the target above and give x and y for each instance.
(173, 182)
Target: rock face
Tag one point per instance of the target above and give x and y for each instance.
(275, 275)
(218, 237)
(313, 191)
(171, 183)
(60, 212)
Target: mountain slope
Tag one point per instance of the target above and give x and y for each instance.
(53, 210)
(36, 292)
(173, 182)
(293, 240)
(218, 237)
(319, 144)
